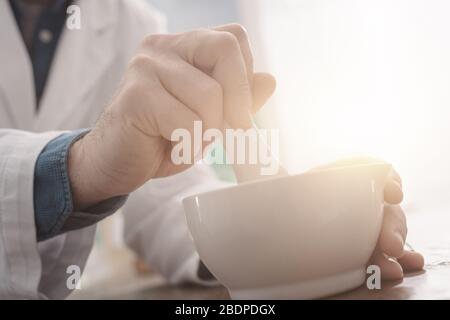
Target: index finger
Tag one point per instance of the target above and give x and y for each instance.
(242, 36)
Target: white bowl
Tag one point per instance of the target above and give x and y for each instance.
(296, 237)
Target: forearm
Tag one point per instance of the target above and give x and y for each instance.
(83, 180)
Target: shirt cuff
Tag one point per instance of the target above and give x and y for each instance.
(53, 204)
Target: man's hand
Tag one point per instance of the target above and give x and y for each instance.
(174, 80)
(390, 254)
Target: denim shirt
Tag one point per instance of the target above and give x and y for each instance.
(41, 27)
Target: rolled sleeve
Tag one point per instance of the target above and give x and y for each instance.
(53, 202)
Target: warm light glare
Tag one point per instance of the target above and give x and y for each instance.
(372, 77)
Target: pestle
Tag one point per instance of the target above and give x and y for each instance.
(252, 172)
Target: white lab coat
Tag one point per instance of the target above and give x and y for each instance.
(85, 73)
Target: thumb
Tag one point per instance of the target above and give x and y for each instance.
(264, 85)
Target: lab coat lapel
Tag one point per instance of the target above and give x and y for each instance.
(16, 74)
(81, 59)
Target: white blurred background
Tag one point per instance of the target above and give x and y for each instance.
(355, 77)
(359, 76)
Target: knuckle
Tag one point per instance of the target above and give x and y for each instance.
(228, 41)
(244, 87)
(238, 31)
(141, 61)
(135, 89)
(153, 40)
(140, 80)
(197, 34)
